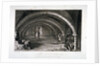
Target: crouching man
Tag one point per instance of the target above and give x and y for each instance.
(26, 43)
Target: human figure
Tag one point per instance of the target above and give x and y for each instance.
(26, 44)
(19, 46)
(37, 32)
(69, 42)
(59, 37)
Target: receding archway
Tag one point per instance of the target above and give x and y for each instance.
(34, 15)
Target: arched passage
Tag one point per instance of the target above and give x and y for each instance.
(53, 14)
(48, 13)
(32, 23)
(54, 29)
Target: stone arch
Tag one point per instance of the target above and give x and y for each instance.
(28, 27)
(55, 15)
(48, 13)
(42, 20)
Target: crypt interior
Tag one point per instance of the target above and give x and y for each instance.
(48, 30)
